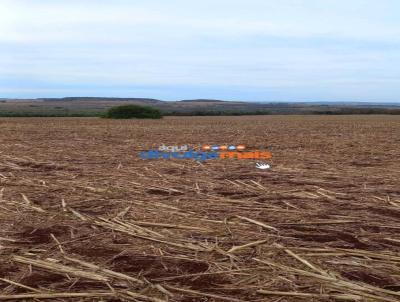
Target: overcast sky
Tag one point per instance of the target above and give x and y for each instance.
(254, 50)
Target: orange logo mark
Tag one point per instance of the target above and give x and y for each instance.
(246, 155)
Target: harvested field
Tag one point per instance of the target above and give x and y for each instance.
(83, 218)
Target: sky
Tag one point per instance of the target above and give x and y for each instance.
(249, 50)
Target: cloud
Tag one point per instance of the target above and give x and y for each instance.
(260, 48)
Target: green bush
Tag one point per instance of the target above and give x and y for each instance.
(132, 111)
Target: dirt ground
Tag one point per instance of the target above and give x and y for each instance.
(83, 218)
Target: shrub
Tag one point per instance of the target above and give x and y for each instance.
(132, 111)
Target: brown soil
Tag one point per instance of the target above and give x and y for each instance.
(83, 218)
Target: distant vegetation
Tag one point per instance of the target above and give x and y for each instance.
(133, 111)
(98, 106)
(216, 113)
(344, 111)
(47, 114)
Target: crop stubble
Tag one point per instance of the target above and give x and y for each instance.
(82, 218)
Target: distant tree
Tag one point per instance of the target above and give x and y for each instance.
(133, 111)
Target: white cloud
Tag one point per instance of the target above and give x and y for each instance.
(118, 20)
(254, 43)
